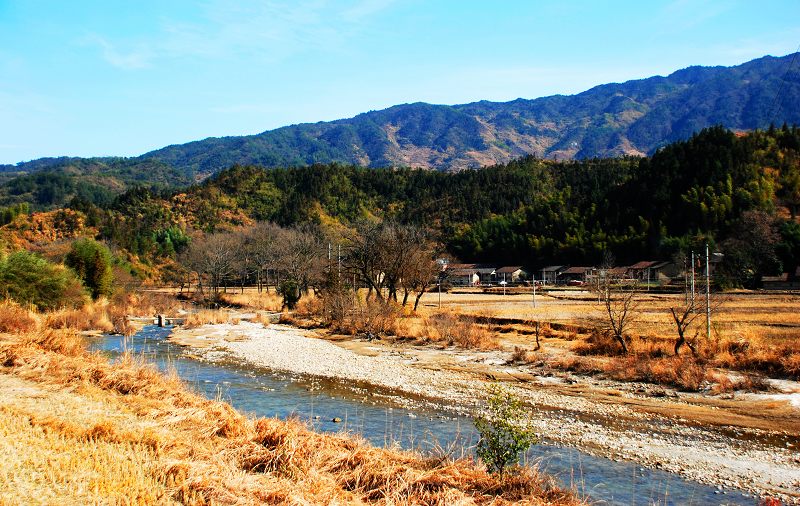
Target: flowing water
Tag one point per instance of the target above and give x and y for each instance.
(262, 392)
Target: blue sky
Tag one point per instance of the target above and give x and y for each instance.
(113, 77)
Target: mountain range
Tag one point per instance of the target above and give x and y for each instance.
(631, 118)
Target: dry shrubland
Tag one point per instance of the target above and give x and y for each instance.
(521, 355)
(208, 316)
(101, 315)
(16, 319)
(265, 301)
(125, 432)
(461, 331)
(652, 359)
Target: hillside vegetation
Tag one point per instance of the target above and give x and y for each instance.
(54, 182)
(738, 192)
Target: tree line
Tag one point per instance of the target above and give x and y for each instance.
(738, 192)
(393, 261)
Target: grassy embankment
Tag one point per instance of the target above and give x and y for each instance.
(78, 429)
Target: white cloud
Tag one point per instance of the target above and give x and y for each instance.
(134, 59)
(263, 31)
(681, 15)
(364, 9)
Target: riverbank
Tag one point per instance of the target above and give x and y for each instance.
(78, 429)
(748, 443)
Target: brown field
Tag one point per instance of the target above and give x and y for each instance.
(771, 316)
(755, 333)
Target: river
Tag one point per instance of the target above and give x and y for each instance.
(262, 392)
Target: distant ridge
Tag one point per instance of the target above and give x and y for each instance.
(631, 118)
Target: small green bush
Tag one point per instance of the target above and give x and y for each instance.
(506, 430)
(91, 261)
(290, 291)
(29, 279)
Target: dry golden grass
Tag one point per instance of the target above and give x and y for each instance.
(58, 447)
(78, 429)
(16, 319)
(521, 355)
(461, 331)
(91, 316)
(252, 299)
(264, 318)
(752, 332)
(208, 316)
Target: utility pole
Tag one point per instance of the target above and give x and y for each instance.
(685, 281)
(692, 299)
(708, 297)
(533, 282)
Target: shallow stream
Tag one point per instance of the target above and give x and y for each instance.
(384, 422)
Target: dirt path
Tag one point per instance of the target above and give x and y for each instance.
(749, 442)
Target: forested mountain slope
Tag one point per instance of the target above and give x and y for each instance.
(635, 117)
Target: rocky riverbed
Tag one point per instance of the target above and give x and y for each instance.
(706, 440)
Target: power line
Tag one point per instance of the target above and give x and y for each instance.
(775, 102)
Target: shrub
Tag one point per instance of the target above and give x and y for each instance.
(461, 331)
(91, 261)
(506, 431)
(599, 342)
(381, 318)
(206, 316)
(337, 305)
(30, 279)
(92, 316)
(290, 291)
(16, 319)
(521, 356)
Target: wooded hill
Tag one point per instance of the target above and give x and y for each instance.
(739, 192)
(632, 118)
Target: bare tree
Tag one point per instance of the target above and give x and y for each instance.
(212, 256)
(261, 242)
(391, 256)
(364, 256)
(421, 268)
(300, 262)
(683, 316)
(537, 327)
(618, 298)
(686, 314)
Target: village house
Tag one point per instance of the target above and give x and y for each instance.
(576, 275)
(549, 275)
(661, 272)
(510, 274)
(463, 277)
(641, 271)
(487, 273)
